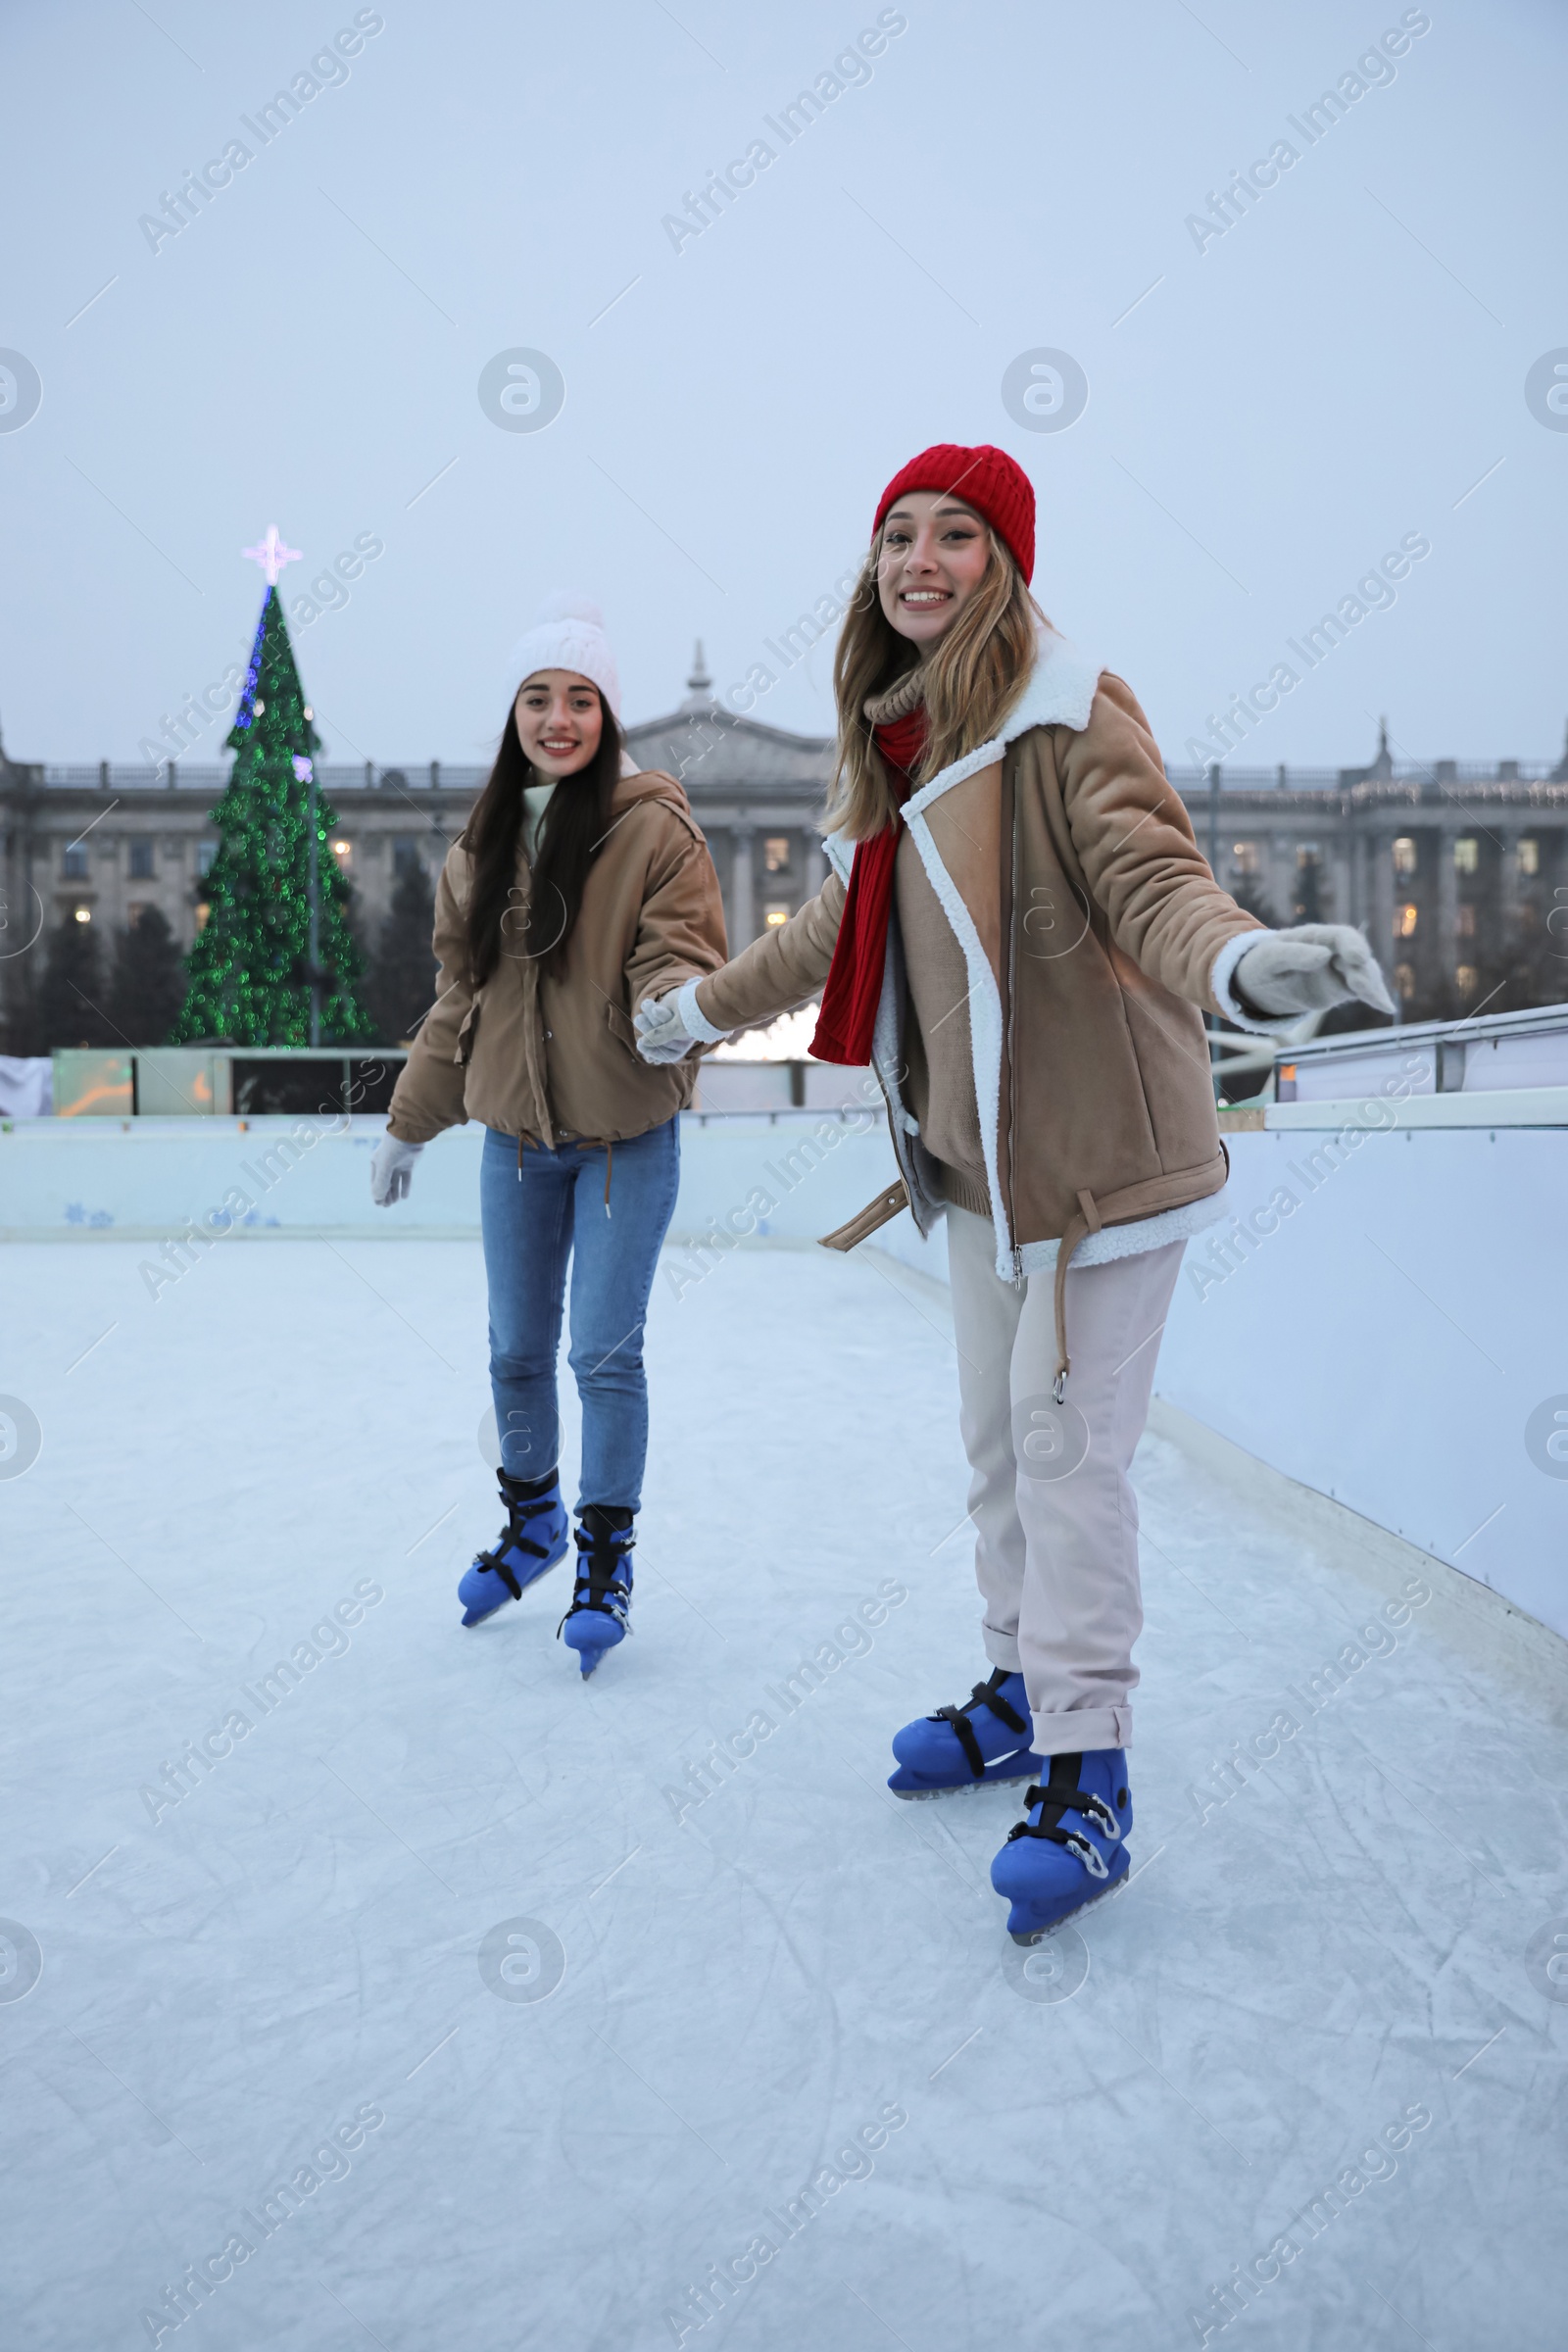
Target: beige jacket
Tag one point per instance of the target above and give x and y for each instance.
(1092, 931)
(556, 1061)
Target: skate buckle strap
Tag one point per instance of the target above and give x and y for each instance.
(1061, 1795)
(602, 1559)
(1086, 1854)
(515, 1540)
(1102, 1816)
(984, 1694)
(493, 1560)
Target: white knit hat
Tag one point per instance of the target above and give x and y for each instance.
(569, 634)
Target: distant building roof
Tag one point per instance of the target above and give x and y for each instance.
(718, 754)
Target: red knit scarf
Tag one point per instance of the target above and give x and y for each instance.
(847, 1019)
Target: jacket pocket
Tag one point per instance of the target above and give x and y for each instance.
(464, 1049)
(620, 1025)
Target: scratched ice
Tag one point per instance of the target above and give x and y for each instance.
(366, 1979)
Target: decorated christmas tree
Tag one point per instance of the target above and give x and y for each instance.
(275, 963)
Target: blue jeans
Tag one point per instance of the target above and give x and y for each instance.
(535, 1215)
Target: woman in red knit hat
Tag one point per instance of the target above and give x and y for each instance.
(1019, 935)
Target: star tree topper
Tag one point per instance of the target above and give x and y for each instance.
(272, 554)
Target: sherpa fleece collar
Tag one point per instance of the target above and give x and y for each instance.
(1060, 692)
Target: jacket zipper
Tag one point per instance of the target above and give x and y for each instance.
(1010, 971)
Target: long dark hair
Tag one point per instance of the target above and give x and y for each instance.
(574, 827)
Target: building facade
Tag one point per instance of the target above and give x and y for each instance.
(1457, 873)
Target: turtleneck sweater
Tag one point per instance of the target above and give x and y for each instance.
(535, 801)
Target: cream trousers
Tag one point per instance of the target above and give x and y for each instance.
(1055, 1518)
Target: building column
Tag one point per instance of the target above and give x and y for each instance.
(1333, 878)
(742, 892)
(1379, 848)
(1508, 893)
(1361, 894)
(814, 865)
(1447, 943)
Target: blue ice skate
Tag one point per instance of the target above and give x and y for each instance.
(602, 1596)
(986, 1738)
(1071, 1847)
(533, 1540)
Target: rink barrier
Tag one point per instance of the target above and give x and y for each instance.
(1370, 1318)
(783, 1173)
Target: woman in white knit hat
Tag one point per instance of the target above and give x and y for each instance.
(578, 889)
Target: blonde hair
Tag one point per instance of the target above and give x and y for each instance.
(973, 676)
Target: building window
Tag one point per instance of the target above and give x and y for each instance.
(776, 916)
(1466, 854)
(1245, 856)
(1529, 856)
(1467, 979)
(1404, 981)
(141, 861)
(1464, 921)
(343, 852)
(74, 862)
(1404, 855)
(1405, 921)
(205, 851)
(776, 855)
(406, 858)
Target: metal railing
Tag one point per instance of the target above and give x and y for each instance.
(335, 780)
(1493, 1052)
(207, 775)
(1417, 776)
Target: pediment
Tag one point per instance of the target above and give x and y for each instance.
(712, 751)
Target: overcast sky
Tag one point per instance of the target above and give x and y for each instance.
(1273, 406)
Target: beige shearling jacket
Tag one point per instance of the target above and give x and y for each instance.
(1092, 934)
(556, 1061)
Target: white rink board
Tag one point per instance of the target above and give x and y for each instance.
(69, 1180)
(1394, 1341)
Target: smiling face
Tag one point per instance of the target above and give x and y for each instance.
(560, 721)
(935, 551)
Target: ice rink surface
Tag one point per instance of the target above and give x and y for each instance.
(537, 2028)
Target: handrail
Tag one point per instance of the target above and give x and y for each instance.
(1531, 1020)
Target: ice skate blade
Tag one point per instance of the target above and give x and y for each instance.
(590, 1654)
(1001, 1780)
(591, 1660)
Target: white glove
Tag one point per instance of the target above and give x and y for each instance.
(662, 1034)
(392, 1170)
(1309, 968)
(667, 1027)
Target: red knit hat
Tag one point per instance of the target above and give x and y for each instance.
(985, 478)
